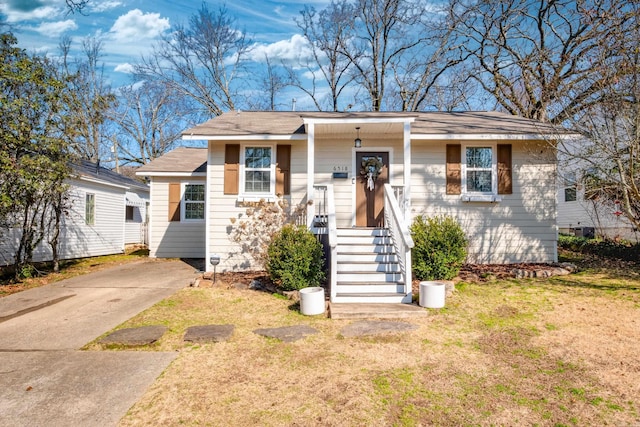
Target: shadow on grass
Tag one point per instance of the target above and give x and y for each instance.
(591, 283)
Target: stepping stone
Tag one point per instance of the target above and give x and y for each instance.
(287, 333)
(373, 327)
(143, 335)
(209, 333)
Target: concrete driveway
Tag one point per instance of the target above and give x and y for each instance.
(46, 380)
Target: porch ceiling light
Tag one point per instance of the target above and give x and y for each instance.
(358, 141)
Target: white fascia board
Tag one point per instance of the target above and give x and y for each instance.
(181, 174)
(256, 137)
(337, 120)
(483, 136)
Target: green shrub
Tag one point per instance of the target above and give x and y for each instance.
(295, 259)
(440, 248)
(623, 250)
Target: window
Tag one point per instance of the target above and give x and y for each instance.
(90, 208)
(193, 201)
(479, 170)
(128, 213)
(479, 173)
(258, 174)
(254, 173)
(570, 194)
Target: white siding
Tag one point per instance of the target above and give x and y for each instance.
(173, 239)
(336, 152)
(520, 228)
(588, 213)
(134, 228)
(223, 207)
(78, 239)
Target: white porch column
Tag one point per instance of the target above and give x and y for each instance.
(311, 208)
(407, 171)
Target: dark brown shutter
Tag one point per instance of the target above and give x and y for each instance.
(174, 201)
(504, 169)
(231, 168)
(454, 169)
(283, 170)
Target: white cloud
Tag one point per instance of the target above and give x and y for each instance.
(40, 13)
(124, 68)
(289, 50)
(135, 25)
(54, 29)
(104, 6)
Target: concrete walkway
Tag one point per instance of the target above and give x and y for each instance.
(46, 380)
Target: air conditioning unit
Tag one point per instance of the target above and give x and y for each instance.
(588, 232)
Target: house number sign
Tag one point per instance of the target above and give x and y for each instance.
(341, 168)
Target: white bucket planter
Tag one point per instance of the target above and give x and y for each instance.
(312, 301)
(432, 294)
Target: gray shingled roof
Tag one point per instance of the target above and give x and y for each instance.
(182, 159)
(237, 123)
(85, 168)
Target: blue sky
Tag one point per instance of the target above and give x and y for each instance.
(129, 28)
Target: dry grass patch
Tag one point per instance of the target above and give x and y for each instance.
(538, 352)
(44, 275)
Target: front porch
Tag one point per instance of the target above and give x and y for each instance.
(362, 208)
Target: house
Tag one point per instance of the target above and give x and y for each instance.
(106, 211)
(362, 178)
(581, 215)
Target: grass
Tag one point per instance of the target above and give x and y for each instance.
(551, 352)
(69, 268)
(559, 351)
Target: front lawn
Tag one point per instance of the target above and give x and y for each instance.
(558, 351)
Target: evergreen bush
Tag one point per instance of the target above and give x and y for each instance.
(623, 250)
(440, 248)
(295, 259)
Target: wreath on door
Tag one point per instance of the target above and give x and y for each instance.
(370, 169)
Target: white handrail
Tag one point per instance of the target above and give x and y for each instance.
(402, 241)
(398, 216)
(331, 217)
(333, 241)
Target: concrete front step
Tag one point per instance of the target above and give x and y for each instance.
(375, 311)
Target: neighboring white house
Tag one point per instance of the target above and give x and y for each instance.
(582, 216)
(363, 177)
(106, 211)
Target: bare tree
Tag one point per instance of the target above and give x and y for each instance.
(273, 81)
(395, 51)
(148, 122)
(383, 35)
(202, 61)
(327, 32)
(608, 156)
(91, 97)
(76, 5)
(540, 59)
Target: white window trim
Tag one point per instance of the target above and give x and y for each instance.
(93, 209)
(256, 197)
(570, 181)
(480, 196)
(183, 201)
